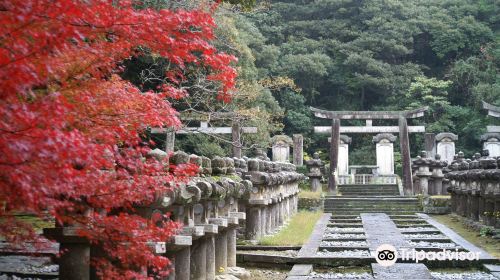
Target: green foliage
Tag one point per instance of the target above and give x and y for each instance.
(201, 145)
(487, 231)
(384, 55)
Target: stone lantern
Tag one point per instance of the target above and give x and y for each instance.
(314, 166)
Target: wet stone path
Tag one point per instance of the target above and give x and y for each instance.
(380, 229)
(350, 241)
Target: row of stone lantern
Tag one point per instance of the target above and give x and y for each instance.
(428, 175)
(475, 188)
(273, 198)
(212, 208)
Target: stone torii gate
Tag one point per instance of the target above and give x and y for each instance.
(402, 128)
(235, 129)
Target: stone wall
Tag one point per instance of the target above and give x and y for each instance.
(230, 196)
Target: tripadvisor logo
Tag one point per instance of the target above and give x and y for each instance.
(387, 255)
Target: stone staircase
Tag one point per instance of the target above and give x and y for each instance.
(368, 190)
(356, 199)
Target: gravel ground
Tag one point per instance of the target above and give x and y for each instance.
(267, 274)
(344, 243)
(463, 276)
(7, 277)
(417, 229)
(287, 253)
(314, 275)
(345, 229)
(344, 253)
(423, 235)
(433, 244)
(343, 236)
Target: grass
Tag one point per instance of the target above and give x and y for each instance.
(309, 194)
(297, 232)
(490, 245)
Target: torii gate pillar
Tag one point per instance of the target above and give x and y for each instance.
(405, 156)
(334, 155)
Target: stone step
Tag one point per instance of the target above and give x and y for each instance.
(370, 210)
(367, 194)
(370, 203)
(373, 209)
(393, 197)
(391, 212)
(367, 189)
(367, 186)
(371, 193)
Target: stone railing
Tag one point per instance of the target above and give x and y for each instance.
(229, 196)
(475, 188)
(367, 179)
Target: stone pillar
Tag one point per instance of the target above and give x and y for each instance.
(405, 156)
(480, 209)
(281, 219)
(497, 210)
(438, 176)
(475, 205)
(169, 140)
(210, 257)
(221, 251)
(453, 202)
(463, 203)
(236, 138)
(491, 142)
(298, 149)
(385, 153)
(446, 146)
(199, 260)
(334, 155)
(430, 144)
(183, 264)
(263, 220)
(282, 211)
(272, 224)
(74, 262)
(268, 220)
(281, 148)
(231, 246)
(253, 223)
(276, 215)
(489, 209)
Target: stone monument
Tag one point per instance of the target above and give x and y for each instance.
(446, 146)
(281, 148)
(491, 142)
(385, 153)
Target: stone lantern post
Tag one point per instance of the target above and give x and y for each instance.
(314, 166)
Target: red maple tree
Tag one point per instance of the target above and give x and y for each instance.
(70, 127)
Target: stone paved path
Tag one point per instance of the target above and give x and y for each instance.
(380, 229)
